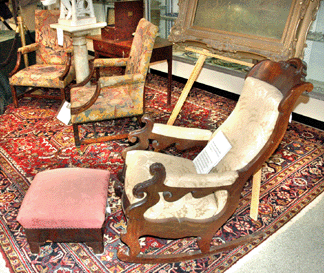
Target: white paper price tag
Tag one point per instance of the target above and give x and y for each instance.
(60, 36)
(212, 154)
(64, 114)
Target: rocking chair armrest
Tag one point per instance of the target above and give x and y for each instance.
(121, 80)
(164, 135)
(199, 185)
(28, 48)
(109, 62)
(205, 180)
(181, 132)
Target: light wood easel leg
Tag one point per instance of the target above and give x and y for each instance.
(194, 75)
(255, 199)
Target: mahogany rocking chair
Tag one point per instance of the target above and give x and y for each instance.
(164, 196)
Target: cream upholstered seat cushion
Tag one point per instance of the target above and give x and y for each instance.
(65, 198)
(180, 172)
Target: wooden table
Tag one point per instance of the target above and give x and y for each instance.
(114, 48)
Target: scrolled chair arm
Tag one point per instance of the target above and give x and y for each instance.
(87, 105)
(88, 78)
(141, 135)
(199, 185)
(67, 66)
(23, 50)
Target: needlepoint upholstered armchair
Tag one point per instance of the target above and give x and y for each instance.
(53, 69)
(164, 196)
(116, 96)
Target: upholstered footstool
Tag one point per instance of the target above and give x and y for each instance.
(65, 205)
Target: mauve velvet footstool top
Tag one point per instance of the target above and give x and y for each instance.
(65, 205)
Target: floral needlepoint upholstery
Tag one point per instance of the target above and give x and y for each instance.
(116, 96)
(113, 105)
(53, 67)
(38, 75)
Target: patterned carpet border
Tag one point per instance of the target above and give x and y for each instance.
(32, 140)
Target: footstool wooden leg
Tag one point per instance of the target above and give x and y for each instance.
(97, 247)
(34, 247)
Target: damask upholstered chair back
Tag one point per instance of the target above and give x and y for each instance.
(142, 47)
(251, 123)
(49, 51)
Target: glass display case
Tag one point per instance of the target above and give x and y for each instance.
(314, 54)
(162, 13)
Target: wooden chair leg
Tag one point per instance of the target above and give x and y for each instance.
(14, 95)
(131, 239)
(63, 96)
(76, 135)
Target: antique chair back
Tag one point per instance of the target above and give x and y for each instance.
(49, 51)
(141, 49)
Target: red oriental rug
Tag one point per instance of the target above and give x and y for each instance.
(33, 140)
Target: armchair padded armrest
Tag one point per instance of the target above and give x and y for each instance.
(120, 80)
(29, 48)
(110, 62)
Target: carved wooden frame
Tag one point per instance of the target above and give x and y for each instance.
(240, 45)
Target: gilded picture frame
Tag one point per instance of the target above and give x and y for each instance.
(257, 29)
